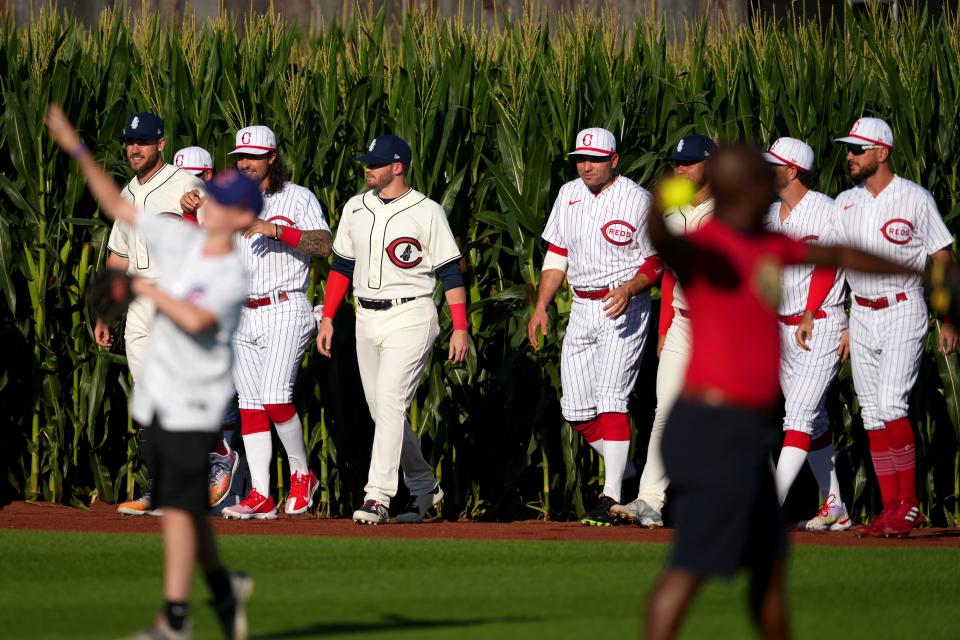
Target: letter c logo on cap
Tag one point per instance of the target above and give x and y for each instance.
(179, 160)
(587, 139)
(245, 138)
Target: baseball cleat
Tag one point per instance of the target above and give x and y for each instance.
(254, 506)
(161, 630)
(600, 515)
(638, 512)
(875, 528)
(302, 488)
(372, 512)
(220, 476)
(832, 516)
(232, 612)
(902, 521)
(142, 506)
(418, 506)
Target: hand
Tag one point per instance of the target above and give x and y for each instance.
(325, 337)
(262, 227)
(459, 346)
(102, 335)
(616, 301)
(661, 340)
(538, 320)
(61, 130)
(191, 201)
(843, 347)
(804, 330)
(948, 338)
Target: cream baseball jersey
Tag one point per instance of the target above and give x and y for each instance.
(604, 234)
(901, 224)
(160, 194)
(684, 220)
(397, 245)
(195, 369)
(814, 220)
(271, 264)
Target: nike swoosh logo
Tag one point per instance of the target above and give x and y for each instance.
(572, 202)
(849, 206)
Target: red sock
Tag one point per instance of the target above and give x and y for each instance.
(797, 439)
(900, 436)
(616, 426)
(591, 430)
(883, 465)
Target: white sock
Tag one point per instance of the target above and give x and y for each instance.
(788, 466)
(597, 446)
(259, 449)
(291, 435)
(615, 455)
(823, 464)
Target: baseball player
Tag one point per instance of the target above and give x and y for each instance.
(895, 218)
(156, 187)
(595, 235)
(199, 162)
(185, 384)
(689, 158)
(277, 322)
(392, 244)
(813, 336)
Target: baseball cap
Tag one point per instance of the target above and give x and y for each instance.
(869, 131)
(233, 189)
(143, 126)
(196, 160)
(386, 149)
(257, 140)
(692, 148)
(594, 142)
(790, 152)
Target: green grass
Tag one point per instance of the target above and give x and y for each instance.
(59, 585)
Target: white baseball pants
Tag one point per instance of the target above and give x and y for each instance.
(136, 333)
(393, 347)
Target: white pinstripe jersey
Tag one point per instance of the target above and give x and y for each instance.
(160, 194)
(681, 221)
(814, 220)
(271, 264)
(902, 224)
(396, 246)
(604, 234)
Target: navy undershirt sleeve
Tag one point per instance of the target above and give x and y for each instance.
(450, 275)
(342, 265)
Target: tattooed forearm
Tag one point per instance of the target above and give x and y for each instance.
(316, 243)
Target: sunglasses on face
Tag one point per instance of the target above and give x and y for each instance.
(860, 149)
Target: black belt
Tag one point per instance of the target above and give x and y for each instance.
(382, 305)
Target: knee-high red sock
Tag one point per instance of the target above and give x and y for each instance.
(903, 450)
(883, 465)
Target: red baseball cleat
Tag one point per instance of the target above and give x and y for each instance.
(253, 506)
(302, 488)
(875, 528)
(906, 516)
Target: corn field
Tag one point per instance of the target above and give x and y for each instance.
(490, 115)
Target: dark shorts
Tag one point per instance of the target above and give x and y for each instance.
(178, 462)
(724, 495)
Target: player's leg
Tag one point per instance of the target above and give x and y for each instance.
(577, 371)
(669, 601)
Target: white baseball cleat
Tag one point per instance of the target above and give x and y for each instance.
(832, 516)
(418, 506)
(372, 512)
(638, 512)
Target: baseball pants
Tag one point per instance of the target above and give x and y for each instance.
(885, 349)
(269, 347)
(393, 347)
(600, 357)
(136, 333)
(670, 376)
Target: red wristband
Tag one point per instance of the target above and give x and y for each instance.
(652, 268)
(290, 236)
(458, 310)
(821, 282)
(337, 285)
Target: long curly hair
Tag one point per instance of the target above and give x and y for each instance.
(277, 174)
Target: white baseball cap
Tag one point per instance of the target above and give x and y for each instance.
(790, 152)
(594, 142)
(869, 131)
(196, 160)
(255, 141)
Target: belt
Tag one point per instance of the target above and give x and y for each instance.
(253, 303)
(880, 303)
(382, 305)
(591, 295)
(683, 312)
(795, 319)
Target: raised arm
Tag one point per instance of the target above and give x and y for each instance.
(676, 252)
(855, 260)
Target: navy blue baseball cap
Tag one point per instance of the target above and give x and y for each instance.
(387, 149)
(692, 148)
(233, 189)
(143, 126)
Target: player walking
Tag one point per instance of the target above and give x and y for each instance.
(156, 187)
(813, 337)
(276, 324)
(392, 244)
(597, 241)
(689, 160)
(897, 219)
(185, 383)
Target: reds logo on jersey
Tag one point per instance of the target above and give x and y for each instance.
(405, 252)
(897, 231)
(618, 232)
(245, 138)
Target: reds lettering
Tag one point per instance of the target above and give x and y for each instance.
(405, 253)
(897, 231)
(618, 232)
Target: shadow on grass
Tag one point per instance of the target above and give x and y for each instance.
(389, 622)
